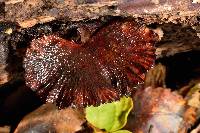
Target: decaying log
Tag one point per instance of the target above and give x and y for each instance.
(28, 13)
(177, 38)
(31, 12)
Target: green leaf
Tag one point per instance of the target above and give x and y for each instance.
(122, 131)
(110, 116)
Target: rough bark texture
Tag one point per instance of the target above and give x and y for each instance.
(28, 13)
(38, 11)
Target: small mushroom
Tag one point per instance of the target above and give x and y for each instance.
(109, 65)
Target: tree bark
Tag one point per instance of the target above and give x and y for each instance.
(40, 11)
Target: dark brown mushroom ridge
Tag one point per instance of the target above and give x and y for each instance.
(108, 66)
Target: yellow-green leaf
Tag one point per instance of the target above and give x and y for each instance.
(110, 116)
(122, 131)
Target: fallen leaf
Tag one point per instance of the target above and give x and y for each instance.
(48, 118)
(195, 88)
(155, 77)
(5, 129)
(156, 110)
(195, 100)
(190, 117)
(192, 113)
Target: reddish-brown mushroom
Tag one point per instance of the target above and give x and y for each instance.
(109, 65)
